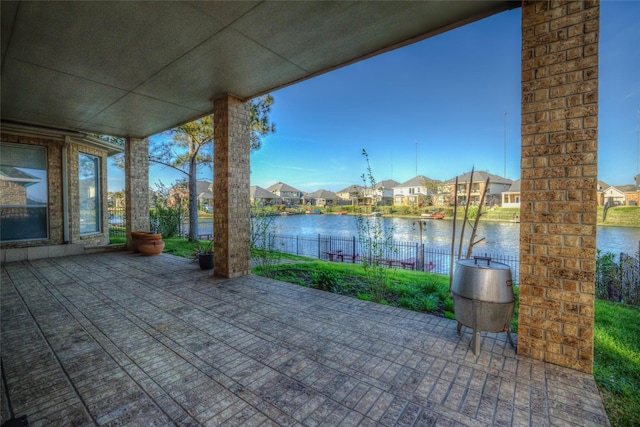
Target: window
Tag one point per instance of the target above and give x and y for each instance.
(89, 179)
(23, 192)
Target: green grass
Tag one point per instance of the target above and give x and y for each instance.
(417, 291)
(616, 367)
(622, 216)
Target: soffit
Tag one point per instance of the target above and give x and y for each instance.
(138, 68)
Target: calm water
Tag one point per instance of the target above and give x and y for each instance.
(500, 237)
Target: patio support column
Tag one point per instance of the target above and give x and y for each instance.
(136, 160)
(231, 195)
(559, 181)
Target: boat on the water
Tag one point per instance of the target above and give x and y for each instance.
(375, 213)
(433, 215)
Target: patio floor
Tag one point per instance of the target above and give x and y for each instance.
(120, 339)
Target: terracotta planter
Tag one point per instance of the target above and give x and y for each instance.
(143, 238)
(150, 247)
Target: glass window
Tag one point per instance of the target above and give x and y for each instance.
(23, 192)
(89, 178)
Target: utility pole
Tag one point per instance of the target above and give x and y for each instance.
(505, 144)
(416, 158)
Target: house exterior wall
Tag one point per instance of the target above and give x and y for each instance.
(559, 181)
(632, 198)
(55, 209)
(615, 195)
(510, 200)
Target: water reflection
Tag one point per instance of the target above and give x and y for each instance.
(500, 237)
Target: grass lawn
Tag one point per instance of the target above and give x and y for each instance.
(617, 361)
(622, 216)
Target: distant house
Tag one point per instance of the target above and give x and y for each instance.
(288, 194)
(382, 195)
(613, 196)
(204, 191)
(497, 185)
(511, 197)
(602, 186)
(351, 195)
(321, 198)
(631, 194)
(261, 197)
(417, 191)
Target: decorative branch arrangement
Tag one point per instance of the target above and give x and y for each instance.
(474, 225)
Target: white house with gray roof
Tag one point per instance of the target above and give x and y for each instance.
(288, 194)
(415, 192)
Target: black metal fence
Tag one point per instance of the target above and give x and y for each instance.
(406, 255)
(117, 223)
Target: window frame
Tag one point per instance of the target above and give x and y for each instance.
(97, 160)
(45, 205)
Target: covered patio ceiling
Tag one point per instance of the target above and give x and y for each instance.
(139, 68)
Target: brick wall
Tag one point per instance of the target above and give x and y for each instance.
(231, 195)
(12, 193)
(559, 181)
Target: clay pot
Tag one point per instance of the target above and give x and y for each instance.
(142, 238)
(150, 247)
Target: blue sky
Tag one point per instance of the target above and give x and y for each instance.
(439, 106)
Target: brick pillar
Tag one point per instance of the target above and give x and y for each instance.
(559, 181)
(136, 155)
(231, 224)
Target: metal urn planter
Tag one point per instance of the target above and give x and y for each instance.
(483, 297)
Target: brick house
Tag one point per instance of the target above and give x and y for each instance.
(53, 191)
(497, 185)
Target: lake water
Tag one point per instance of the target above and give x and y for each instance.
(500, 237)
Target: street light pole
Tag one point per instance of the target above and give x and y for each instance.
(505, 144)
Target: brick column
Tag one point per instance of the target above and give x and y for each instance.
(231, 224)
(559, 180)
(136, 155)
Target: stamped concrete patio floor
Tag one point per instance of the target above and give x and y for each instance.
(119, 339)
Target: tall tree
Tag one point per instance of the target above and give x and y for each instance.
(191, 148)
